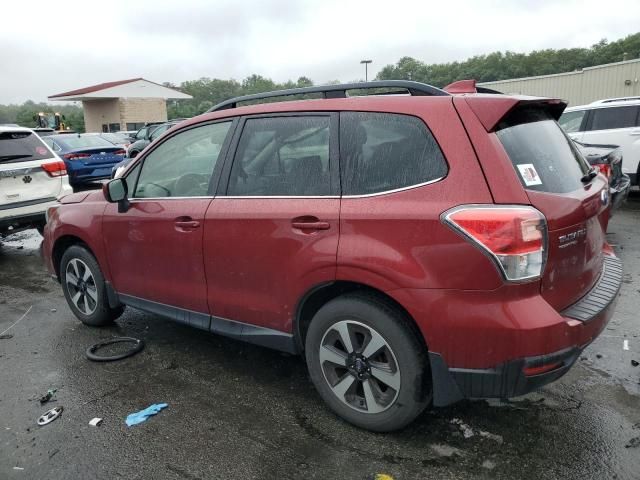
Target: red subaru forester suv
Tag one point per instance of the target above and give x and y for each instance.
(418, 248)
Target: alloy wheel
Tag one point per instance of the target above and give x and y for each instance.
(359, 366)
(81, 286)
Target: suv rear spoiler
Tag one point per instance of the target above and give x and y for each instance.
(467, 86)
(491, 109)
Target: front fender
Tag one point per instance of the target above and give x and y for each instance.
(81, 221)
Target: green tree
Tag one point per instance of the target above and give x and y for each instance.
(504, 65)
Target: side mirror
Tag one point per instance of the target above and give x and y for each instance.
(115, 191)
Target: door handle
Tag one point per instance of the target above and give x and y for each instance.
(311, 225)
(186, 223)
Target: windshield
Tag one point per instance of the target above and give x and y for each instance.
(73, 142)
(22, 147)
(544, 157)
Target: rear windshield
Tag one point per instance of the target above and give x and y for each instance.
(114, 138)
(22, 147)
(545, 158)
(78, 141)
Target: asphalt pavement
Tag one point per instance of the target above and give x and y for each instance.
(238, 411)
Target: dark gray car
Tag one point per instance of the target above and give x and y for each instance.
(148, 134)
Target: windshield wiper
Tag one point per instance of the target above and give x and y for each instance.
(590, 175)
(4, 158)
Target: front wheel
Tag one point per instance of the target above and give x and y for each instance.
(84, 288)
(367, 363)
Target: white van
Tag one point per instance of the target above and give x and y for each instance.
(613, 121)
(32, 177)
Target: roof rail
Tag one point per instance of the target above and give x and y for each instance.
(336, 91)
(618, 99)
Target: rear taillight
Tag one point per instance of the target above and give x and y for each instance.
(76, 156)
(120, 152)
(604, 168)
(515, 237)
(55, 169)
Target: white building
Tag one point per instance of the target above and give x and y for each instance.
(122, 105)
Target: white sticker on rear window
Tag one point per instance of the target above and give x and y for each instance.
(529, 174)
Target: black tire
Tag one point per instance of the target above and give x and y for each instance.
(98, 312)
(408, 357)
(133, 154)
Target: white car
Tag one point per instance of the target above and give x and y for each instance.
(613, 121)
(32, 178)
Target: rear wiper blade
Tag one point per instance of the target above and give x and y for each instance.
(4, 158)
(590, 175)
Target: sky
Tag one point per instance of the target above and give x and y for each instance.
(49, 47)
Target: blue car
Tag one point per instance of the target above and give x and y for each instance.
(88, 157)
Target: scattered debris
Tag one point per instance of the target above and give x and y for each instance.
(6, 337)
(444, 450)
(47, 396)
(52, 454)
(635, 363)
(467, 431)
(625, 344)
(53, 310)
(17, 322)
(95, 422)
(488, 464)
(382, 476)
(492, 436)
(598, 355)
(138, 346)
(50, 416)
(633, 443)
(18, 468)
(143, 415)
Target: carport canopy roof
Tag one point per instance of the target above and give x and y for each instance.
(132, 88)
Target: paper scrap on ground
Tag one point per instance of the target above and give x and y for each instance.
(143, 415)
(95, 422)
(625, 344)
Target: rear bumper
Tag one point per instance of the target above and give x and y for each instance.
(504, 381)
(18, 216)
(80, 175)
(10, 225)
(620, 192)
(499, 345)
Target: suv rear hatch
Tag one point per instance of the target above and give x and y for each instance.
(557, 181)
(23, 180)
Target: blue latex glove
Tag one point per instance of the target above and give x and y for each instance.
(142, 415)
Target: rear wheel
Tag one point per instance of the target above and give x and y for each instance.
(84, 288)
(367, 363)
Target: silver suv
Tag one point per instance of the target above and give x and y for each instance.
(32, 177)
(613, 121)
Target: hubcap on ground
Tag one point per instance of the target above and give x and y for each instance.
(359, 366)
(81, 286)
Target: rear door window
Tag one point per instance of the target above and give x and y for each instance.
(572, 121)
(380, 152)
(613, 117)
(282, 156)
(544, 157)
(22, 147)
